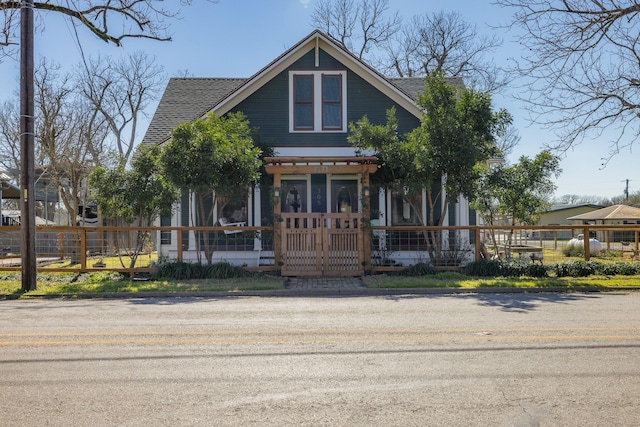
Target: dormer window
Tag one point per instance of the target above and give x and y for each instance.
(317, 101)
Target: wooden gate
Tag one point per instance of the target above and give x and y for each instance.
(327, 244)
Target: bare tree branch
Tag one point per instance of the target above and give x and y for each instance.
(357, 26)
(9, 136)
(111, 20)
(582, 68)
(119, 91)
(434, 42)
(443, 41)
(69, 137)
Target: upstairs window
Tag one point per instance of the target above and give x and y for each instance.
(317, 101)
(331, 102)
(303, 102)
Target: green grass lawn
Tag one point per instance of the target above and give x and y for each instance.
(108, 282)
(457, 280)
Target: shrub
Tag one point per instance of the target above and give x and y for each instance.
(573, 251)
(620, 268)
(483, 268)
(505, 268)
(514, 267)
(577, 268)
(419, 269)
(186, 271)
(537, 270)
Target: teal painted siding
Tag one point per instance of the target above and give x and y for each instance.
(268, 108)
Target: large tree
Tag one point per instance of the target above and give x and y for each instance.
(582, 63)
(443, 156)
(213, 158)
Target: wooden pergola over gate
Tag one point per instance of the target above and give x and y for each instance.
(321, 243)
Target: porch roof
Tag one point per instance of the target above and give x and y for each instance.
(304, 165)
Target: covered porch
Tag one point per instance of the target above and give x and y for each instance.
(321, 209)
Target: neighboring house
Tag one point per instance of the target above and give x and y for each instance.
(559, 215)
(302, 103)
(615, 214)
(46, 195)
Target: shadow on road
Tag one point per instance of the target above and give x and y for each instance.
(513, 302)
(524, 303)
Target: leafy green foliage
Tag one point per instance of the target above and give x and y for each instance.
(520, 191)
(456, 136)
(418, 269)
(212, 157)
(186, 271)
(212, 154)
(504, 268)
(138, 194)
(573, 251)
(587, 268)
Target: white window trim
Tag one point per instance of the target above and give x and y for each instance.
(317, 100)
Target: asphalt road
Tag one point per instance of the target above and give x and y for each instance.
(455, 360)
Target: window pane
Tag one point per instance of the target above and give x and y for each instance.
(293, 195)
(165, 236)
(331, 102)
(331, 90)
(402, 213)
(332, 116)
(303, 102)
(303, 88)
(303, 116)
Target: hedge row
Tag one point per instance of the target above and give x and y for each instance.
(187, 270)
(516, 268)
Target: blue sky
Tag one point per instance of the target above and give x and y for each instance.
(235, 38)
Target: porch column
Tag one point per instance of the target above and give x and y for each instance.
(277, 221)
(366, 215)
(257, 218)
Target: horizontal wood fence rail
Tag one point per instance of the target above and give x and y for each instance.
(78, 249)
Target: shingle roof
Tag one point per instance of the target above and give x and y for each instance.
(183, 100)
(413, 86)
(619, 212)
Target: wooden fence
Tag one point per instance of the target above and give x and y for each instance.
(79, 249)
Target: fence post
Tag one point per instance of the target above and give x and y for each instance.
(477, 236)
(83, 248)
(586, 243)
(179, 242)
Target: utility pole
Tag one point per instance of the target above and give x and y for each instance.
(27, 163)
(626, 190)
